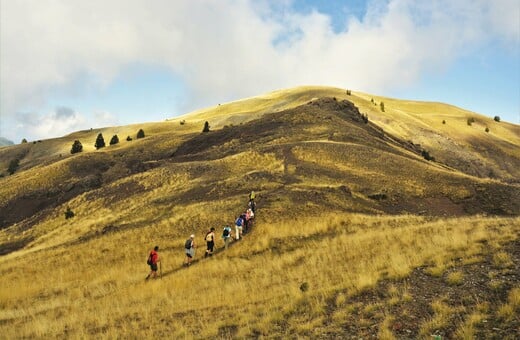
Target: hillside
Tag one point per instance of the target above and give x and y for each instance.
(383, 241)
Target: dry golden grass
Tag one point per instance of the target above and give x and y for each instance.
(96, 288)
(455, 278)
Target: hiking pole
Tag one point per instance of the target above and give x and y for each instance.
(160, 268)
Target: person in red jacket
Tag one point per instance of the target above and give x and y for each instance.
(153, 259)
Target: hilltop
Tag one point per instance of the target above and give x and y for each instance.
(375, 202)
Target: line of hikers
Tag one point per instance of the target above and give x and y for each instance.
(243, 225)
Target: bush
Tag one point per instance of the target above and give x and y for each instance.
(497, 119)
(128, 139)
(100, 142)
(206, 127)
(76, 147)
(114, 140)
(487, 129)
(427, 156)
(443, 122)
(470, 121)
(349, 92)
(24, 141)
(140, 134)
(69, 213)
(182, 122)
(13, 166)
(382, 106)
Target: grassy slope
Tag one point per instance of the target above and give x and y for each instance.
(83, 277)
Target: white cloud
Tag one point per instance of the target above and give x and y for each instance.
(233, 48)
(56, 123)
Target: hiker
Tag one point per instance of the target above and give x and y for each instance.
(189, 246)
(153, 258)
(226, 236)
(210, 242)
(252, 205)
(238, 227)
(250, 215)
(245, 226)
(252, 196)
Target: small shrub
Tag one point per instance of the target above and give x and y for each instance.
(114, 140)
(206, 127)
(128, 138)
(24, 141)
(100, 142)
(502, 260)
(497, 119)
(455, 278)
(349, 92)
(382, 106)
(487, 129)
(372, 101)
(13, 166)
(443, 122)
(182, 122)
(76, 147)
(470, 121)
(427, 156)
(69, 213)
(140, 134)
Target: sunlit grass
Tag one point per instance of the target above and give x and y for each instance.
(322, 251)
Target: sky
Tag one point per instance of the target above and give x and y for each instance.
(68, 65)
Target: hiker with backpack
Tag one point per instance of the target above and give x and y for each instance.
(250, 215)
(251, 205)
(226, 236)
(210, 242)
(153, 259)
(189, 249)
(245, 226)
(238, 227)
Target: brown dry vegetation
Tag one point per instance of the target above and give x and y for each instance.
(356, 233)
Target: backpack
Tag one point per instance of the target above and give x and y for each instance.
(225, 233)
(209, 237)
(149, 261)
(187, 244)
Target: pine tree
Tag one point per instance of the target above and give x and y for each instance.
(76, 147)
(206, 127)
(100, 142)
(13, 166)
(114, 140)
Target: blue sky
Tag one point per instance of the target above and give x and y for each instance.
(68, 65)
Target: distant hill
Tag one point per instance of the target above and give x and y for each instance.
(376, 217)
(5, 142)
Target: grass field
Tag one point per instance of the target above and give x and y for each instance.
(96, 288)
